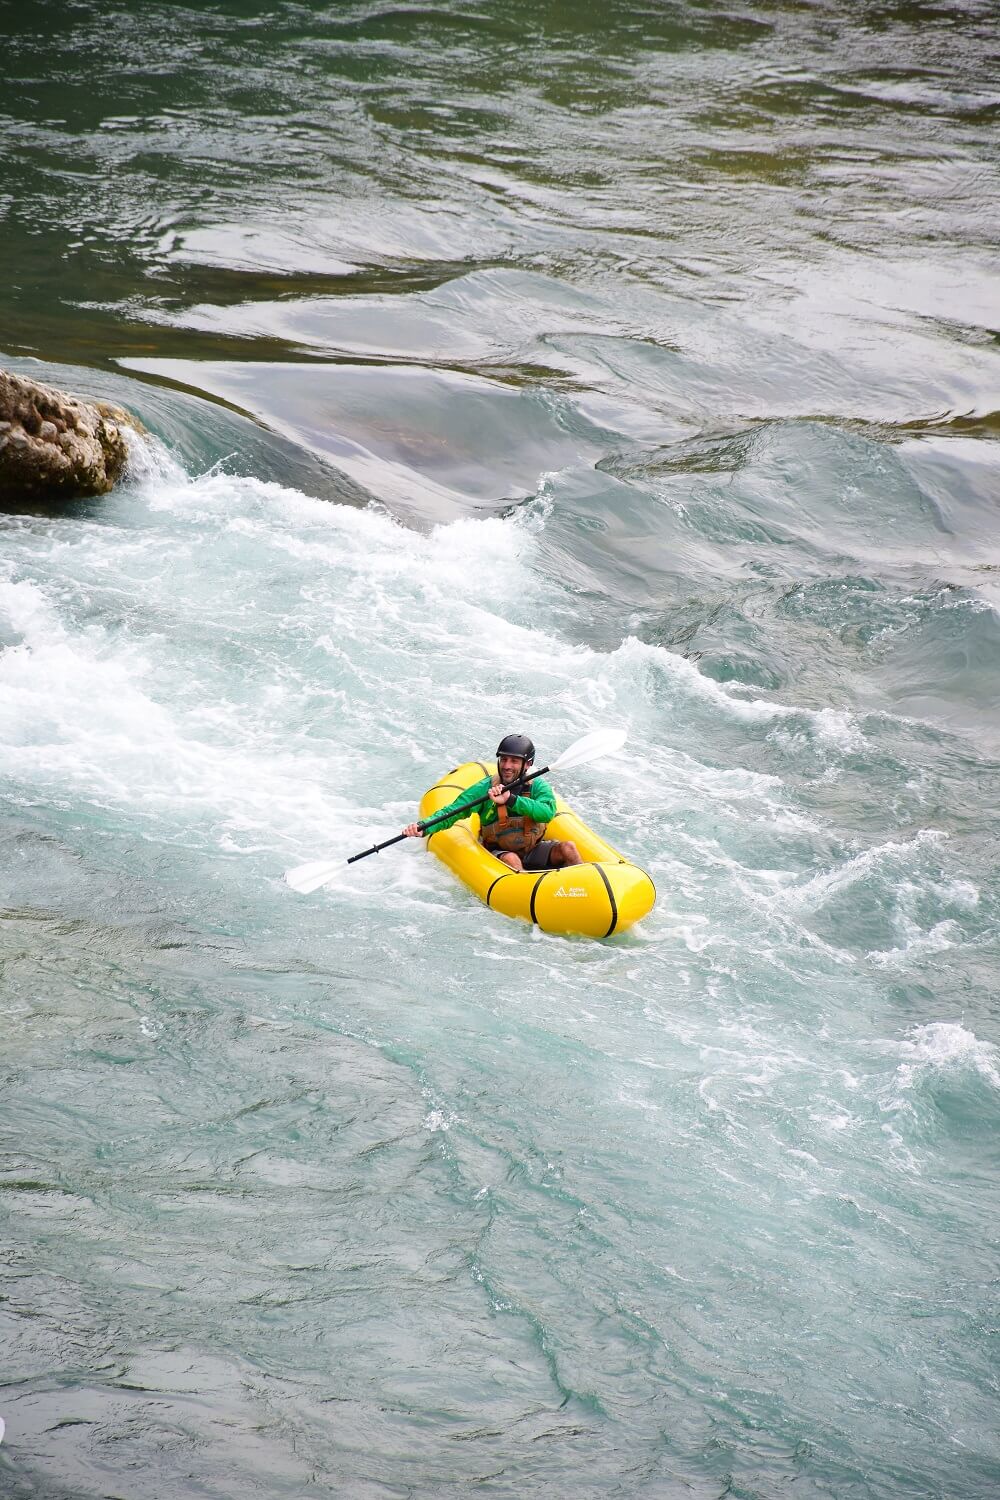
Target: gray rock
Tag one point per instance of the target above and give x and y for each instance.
(54, 446)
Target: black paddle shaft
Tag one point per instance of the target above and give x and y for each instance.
(438, 818)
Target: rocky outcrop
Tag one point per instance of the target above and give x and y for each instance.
(54, 446)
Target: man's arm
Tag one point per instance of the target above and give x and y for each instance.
(540, 806)
(467, 803)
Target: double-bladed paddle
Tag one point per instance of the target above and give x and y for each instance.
(308, 878)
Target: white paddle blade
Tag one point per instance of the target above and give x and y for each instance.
(308, 878)
(591, 747)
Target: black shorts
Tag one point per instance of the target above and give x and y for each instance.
(538, 858)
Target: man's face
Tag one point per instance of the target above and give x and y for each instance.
(510, 768)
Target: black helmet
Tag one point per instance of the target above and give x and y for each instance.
(519, 745)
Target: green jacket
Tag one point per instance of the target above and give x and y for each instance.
(540, 806)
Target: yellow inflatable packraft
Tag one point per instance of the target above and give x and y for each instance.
(606, 894)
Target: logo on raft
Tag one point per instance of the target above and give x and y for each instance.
(574, 890)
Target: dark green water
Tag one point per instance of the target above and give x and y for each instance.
(523, 367)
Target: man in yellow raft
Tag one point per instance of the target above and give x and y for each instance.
(512, 818)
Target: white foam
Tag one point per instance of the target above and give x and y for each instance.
(811, 895)
(942, 1047)
(833, 727)
(937, 939)
(26, 611)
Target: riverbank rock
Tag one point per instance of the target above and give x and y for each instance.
(54, 446)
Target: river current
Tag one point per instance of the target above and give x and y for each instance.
(535, 368)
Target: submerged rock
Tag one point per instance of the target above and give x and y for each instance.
(56, 446)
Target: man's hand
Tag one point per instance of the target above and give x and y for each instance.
(413, 830)
(500, 793)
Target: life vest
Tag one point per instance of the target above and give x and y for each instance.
(515, 835)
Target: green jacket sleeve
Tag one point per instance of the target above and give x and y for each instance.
(473, 795)
(541, 805)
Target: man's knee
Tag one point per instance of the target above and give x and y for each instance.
(565, 854)
(511, 860)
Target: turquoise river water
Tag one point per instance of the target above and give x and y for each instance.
(533, 367)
